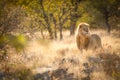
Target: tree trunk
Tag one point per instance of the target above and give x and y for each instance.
(46, 20)
(55, 27)
(72, 28)
(60, 29)
(107, 21)
(55, 32)
(108, 26)
(73, 16)
(42, 34)
(50, 32)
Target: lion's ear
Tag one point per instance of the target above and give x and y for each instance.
(79, 26)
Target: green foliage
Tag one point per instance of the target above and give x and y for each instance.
(55, 15)
(10, 20)
(90, 14)
(18, 42)
(108, 9)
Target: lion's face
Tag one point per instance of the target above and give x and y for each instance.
(83, 28)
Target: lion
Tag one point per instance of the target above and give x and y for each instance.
(85, 40)
(94, 42)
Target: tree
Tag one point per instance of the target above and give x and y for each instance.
(74, 15)
(58, 15)
(108, 8)
(63, 16)
(46, 18)
(10, 19)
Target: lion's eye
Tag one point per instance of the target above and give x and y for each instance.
(85, 29)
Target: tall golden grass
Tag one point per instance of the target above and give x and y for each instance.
(49, 55)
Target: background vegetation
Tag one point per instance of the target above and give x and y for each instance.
(25, 23)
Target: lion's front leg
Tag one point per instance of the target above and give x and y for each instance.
(78, 41)
(79, 44)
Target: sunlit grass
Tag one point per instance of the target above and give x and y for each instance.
(42, 55)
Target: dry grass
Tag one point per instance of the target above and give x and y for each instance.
(43, 56)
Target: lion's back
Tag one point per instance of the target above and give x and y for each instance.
(95, 42)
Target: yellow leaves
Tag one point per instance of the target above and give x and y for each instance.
(21, 39)
(18, 42)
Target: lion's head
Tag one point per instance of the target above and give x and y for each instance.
(83, 28)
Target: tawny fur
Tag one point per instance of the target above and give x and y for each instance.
(85, 40)
(94, 42)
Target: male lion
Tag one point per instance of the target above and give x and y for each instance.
(85, 40)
